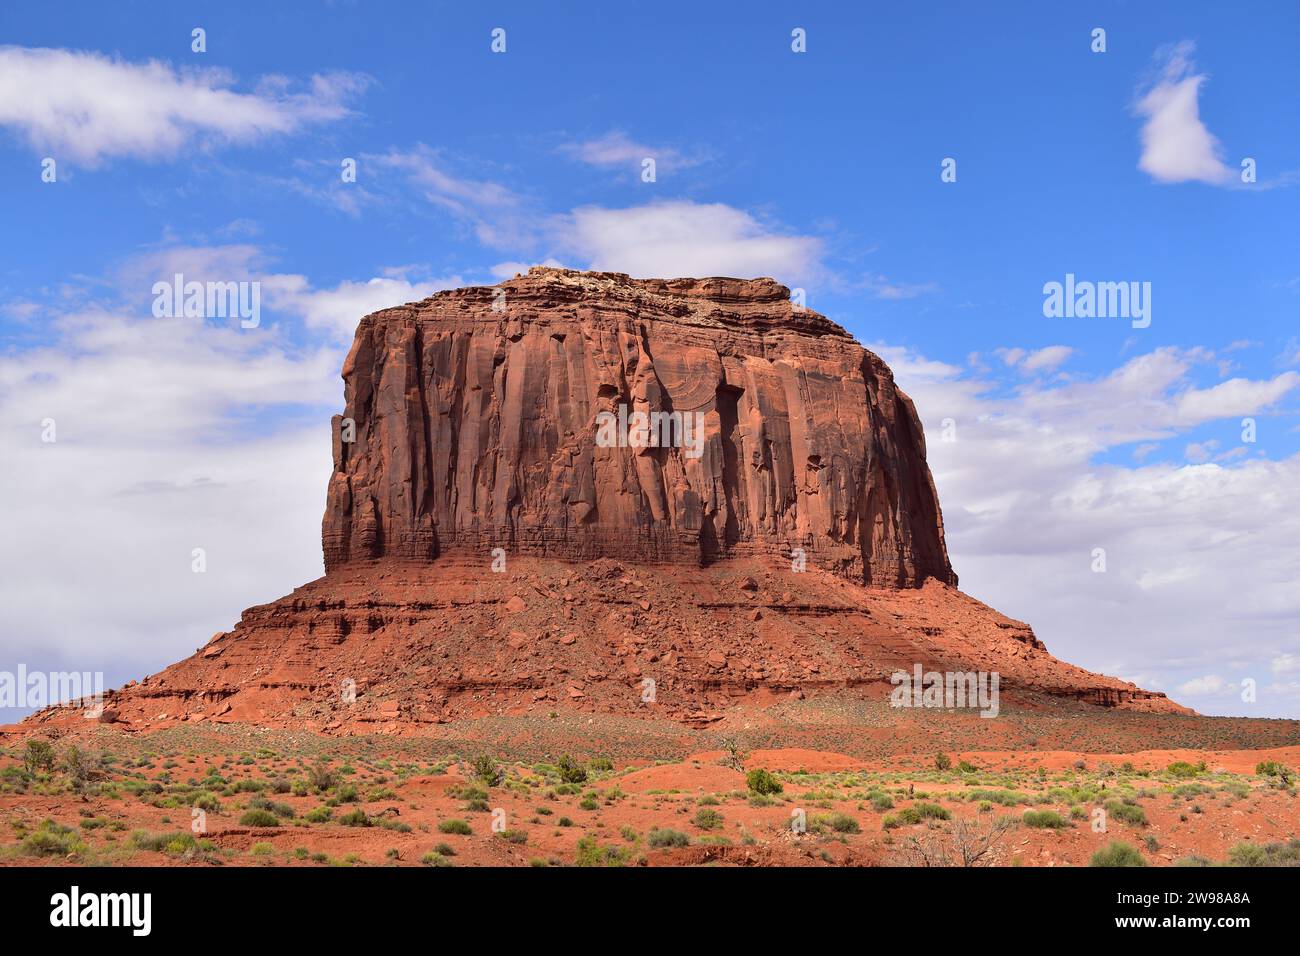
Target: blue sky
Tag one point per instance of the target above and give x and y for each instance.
(821, 168)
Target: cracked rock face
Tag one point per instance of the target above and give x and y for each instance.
(474, 421)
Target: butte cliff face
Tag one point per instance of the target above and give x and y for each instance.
(473, 422)
(499, 538)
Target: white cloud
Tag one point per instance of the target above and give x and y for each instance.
(87, 107)
(1048, 358)
(683, 238)
(1040, 360)
(1237, 396)
(1010, 356)
(665, 239)
(1202, 568)
(1176, 145)
(171, 434)
(335, 310)
(1202, 686)
(338, 310)
(1285, 664)
(616, 149)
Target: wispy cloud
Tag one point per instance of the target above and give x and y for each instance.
(616, 149)
(1040, 360)
(88, 107)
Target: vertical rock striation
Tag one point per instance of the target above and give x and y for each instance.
(473, 418)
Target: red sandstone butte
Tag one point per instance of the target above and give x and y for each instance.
(485, 554)
(476, 429)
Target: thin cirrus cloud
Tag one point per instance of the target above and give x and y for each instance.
(665, 239)
(616, 149)
(1046, 359)
(88, 107)
(1177, 147)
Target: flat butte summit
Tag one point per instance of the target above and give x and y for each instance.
(578, 491)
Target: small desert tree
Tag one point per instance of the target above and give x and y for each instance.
(39, 756)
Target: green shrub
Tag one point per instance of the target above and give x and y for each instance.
(570, 770)
(356, 817)
(52, 839)
(486, 769)
(1044, 820)
(458, 827)
(762, 782)
(279, 809)
(175, 842)
(1247, 854)
(1271, 768)
(320, 777)
(880, 802)
(1005, 798)
(259, 818)
(318, 815)
(927, 811)
(942, 762)
(1183, 769)
(591, 853)
(345, 793)
(38, 756)
(1117, 853)
(707, 819)
(206, 800)
(1127, 812)
(660, 838)
(839, 822)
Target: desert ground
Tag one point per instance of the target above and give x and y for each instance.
(829, 781)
